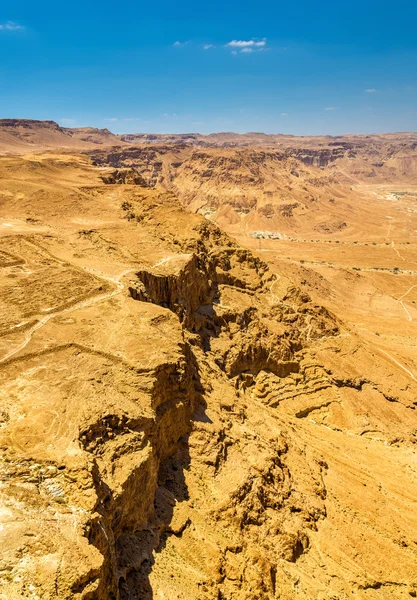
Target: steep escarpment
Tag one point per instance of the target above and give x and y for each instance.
(139, 447)
(322, 157)
(244, 190)
(232, 344)
(253, 495)
(86, 461)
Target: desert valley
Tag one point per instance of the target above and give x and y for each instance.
(208, 365)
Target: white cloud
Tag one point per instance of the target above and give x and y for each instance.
(10, 26)
(169, 115)
(370, 91)
(284, 114)
(246, 43)
(330, 108)
(247, 46)
(179, 44)
(111, 119)
(208, 46)
(68, 122)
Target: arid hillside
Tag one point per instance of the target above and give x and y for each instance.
(208, 370)
(19, 136)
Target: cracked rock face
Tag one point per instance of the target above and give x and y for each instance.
(178, 419)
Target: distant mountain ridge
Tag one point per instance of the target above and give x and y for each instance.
(20, 135)
(230, 139)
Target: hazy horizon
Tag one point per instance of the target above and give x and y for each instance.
(219, 132)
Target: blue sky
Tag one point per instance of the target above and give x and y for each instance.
(280, 67)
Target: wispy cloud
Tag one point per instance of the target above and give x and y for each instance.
(247, 46)
(111, 119)
(11, 26)
(236, 46)
(284, 114)
(169, 115)
(330, 108)
(370, 91)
